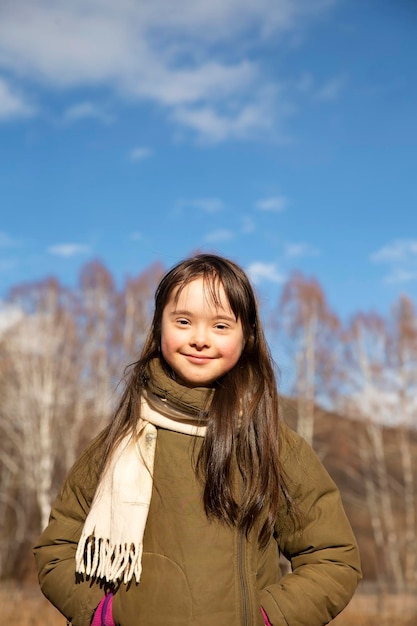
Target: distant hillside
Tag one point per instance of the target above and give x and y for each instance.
(347, 452)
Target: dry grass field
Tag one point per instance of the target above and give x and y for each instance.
(25, 606)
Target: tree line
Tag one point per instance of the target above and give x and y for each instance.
(62, 354)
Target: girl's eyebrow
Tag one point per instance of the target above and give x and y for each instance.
(222, 316)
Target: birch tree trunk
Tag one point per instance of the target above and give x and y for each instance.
(310, 329)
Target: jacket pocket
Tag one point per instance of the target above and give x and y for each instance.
(161, 597)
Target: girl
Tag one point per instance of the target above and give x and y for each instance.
(177, 513)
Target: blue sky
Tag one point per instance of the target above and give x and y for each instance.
(281, 133)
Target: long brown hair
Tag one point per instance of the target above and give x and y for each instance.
(243, 427)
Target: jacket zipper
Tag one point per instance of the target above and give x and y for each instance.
(242, 580)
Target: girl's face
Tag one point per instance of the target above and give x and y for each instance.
(200, 340)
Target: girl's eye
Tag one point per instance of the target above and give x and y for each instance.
(182, 322)
(221, 326)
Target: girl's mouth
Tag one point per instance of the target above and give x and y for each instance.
(198, 358)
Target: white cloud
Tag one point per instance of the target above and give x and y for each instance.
(400, 256)
(331, 90)
(140, 153)
(219, 236)
(182, 57)
(208, 205)
(208, 82)
(6, 241)
(68, 250)
(274, 203)
(301, 249)
(6, 244)
(259, 272)
(397, 250)
(213, 125)
(399, 275)
(12, 104)
(85, 110)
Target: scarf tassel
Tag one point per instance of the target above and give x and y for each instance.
(111, 543)
(99, 558)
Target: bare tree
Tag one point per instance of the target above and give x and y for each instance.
(135, 305)
(97, 299)
(60, 361)
(38, 389)
(311, 329)
(379, 387)
(403, 361)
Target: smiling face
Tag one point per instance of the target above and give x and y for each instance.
(201, 339)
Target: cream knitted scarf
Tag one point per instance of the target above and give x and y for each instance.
(111, 541)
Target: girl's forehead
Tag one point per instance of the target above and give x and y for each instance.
(210, 290)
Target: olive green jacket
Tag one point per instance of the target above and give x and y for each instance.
(198, 572)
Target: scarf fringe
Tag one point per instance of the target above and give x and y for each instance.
(99, 558)
(111, 542)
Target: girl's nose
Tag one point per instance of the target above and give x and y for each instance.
(199, 338)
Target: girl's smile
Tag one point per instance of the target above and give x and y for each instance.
(200, 340)
(198, 359)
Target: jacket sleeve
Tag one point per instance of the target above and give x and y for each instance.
(74, 597)
(323, 552)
